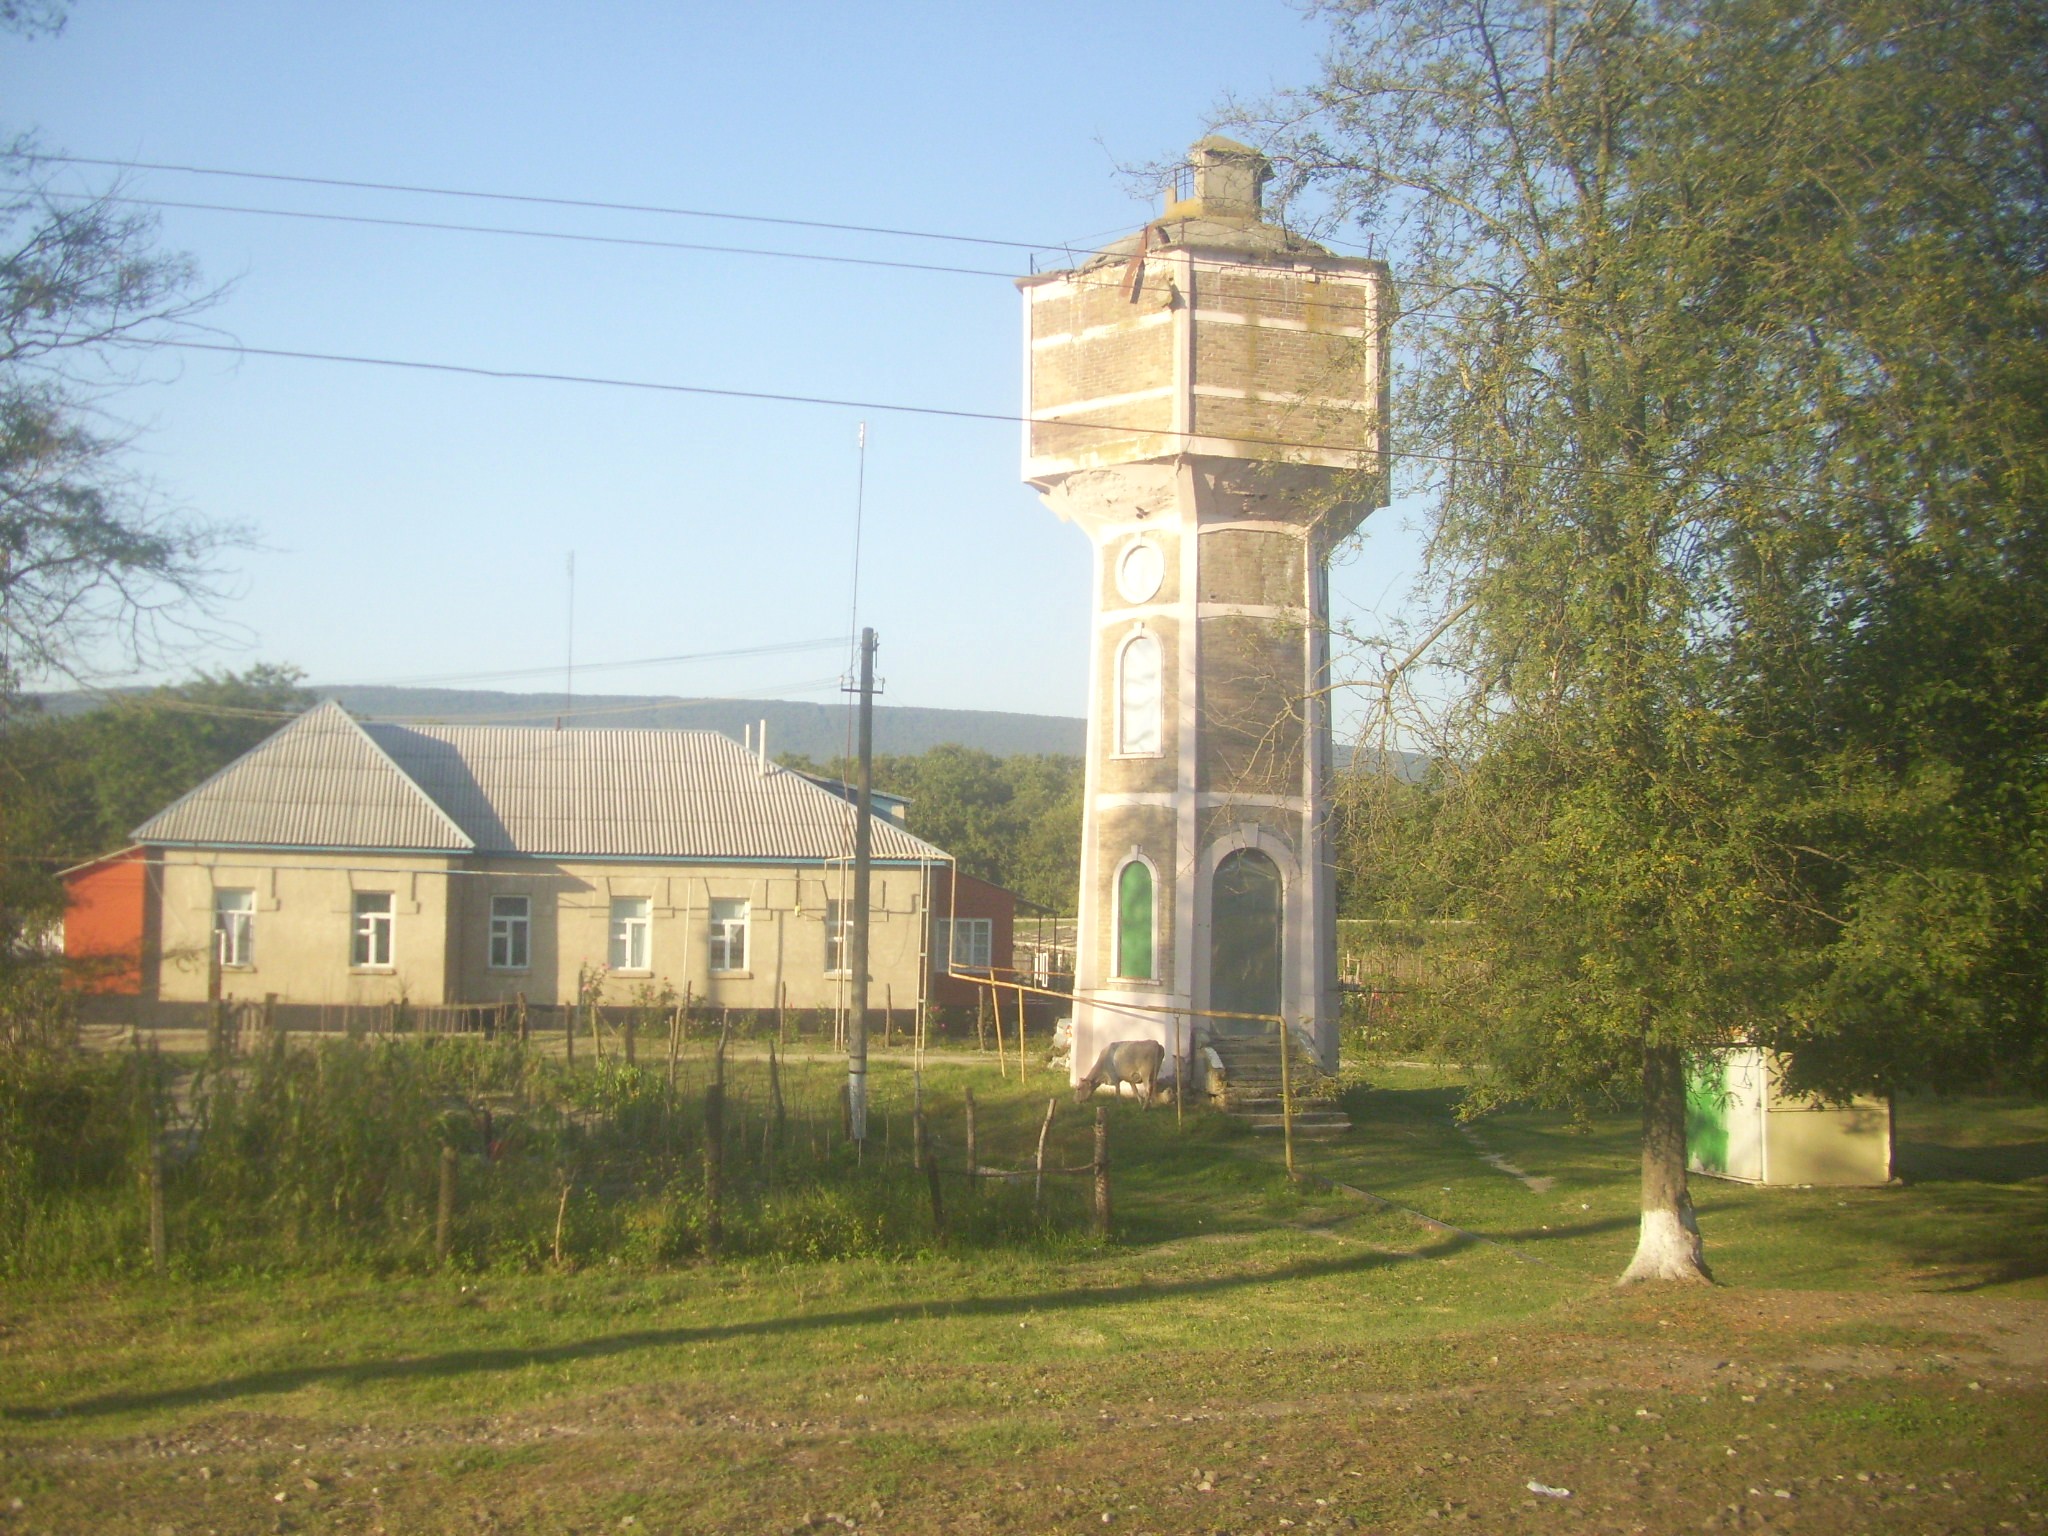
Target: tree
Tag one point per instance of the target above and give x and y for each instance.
(75, 786)
(1015, 821)
(87, 550)
(1692, 478)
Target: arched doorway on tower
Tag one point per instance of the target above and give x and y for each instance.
(1245, 942)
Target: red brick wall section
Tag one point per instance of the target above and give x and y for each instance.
(977, 898)
(103, 915)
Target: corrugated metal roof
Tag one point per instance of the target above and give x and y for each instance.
(502, 789)
(629, 793)
(321, 782)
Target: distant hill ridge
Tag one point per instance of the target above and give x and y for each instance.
(817, 731)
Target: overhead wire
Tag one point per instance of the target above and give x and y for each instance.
(541, 200)
(568, 237)
(1329, 305)
(1007, 418)
(439, 679)
(1277, 301)
(1075, 250)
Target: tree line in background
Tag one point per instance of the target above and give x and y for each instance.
(74, 786)
(1722, 364)
(1015, 820)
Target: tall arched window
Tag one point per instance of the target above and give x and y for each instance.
(1137, 696)
(1134, 921)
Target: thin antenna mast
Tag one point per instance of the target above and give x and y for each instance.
(569, 651)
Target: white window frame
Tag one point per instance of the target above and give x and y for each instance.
(511, 936)
(729, 934)
(373, 933)
(838, 937)
(631, 949)
(234, 929)
(962, 940)
(1131, 743)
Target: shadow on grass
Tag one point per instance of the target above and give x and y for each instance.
(2009, 1163)
(467, 1361)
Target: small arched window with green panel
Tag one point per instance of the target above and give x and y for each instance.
(1134, 921)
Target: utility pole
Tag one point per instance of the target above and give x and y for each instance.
(863, 858)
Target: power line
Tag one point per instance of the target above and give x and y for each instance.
(778, 648)
(1072, 250)
(1252, 301)
(1006, 418)
(536, 234)
(490, 717)
(550, 202)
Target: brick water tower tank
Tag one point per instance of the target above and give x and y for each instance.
(1207, 401)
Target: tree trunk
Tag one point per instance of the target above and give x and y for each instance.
(1669, 1248)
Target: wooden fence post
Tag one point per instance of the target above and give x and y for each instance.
(159, 1243)
(1101, 1171)
(561, 1215)
(931, 1178)
(1038, 1167)
(973, 1167)
(632, 1028)
(444, 1221)
(1286, 1098)
(569, 1034)
(1180, 1070)
(714, 1153)
(776, 1112)
(519, 1010)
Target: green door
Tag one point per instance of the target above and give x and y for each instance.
(1245, 949)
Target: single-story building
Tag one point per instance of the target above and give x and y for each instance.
(349, 863)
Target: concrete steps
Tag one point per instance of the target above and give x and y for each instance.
(1251, 1068)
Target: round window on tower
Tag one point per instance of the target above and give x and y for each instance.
(1140, 571)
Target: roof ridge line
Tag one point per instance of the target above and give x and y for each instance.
(468, 842)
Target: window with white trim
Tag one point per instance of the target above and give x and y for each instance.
(965, 944)
(1138, 696)
(370, 948)
(632, 926)
(729, 933)
(234, 928)
(511, 932)
(838, 936)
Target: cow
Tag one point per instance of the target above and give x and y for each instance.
(1124, 1061)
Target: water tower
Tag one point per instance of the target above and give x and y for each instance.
(1207, 401)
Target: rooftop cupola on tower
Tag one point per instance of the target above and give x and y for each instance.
(1222, 179)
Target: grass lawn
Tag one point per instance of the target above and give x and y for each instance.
(1248, 1355)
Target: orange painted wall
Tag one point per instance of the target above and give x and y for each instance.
(103, 923)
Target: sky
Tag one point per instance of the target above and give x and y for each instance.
(409, 526)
